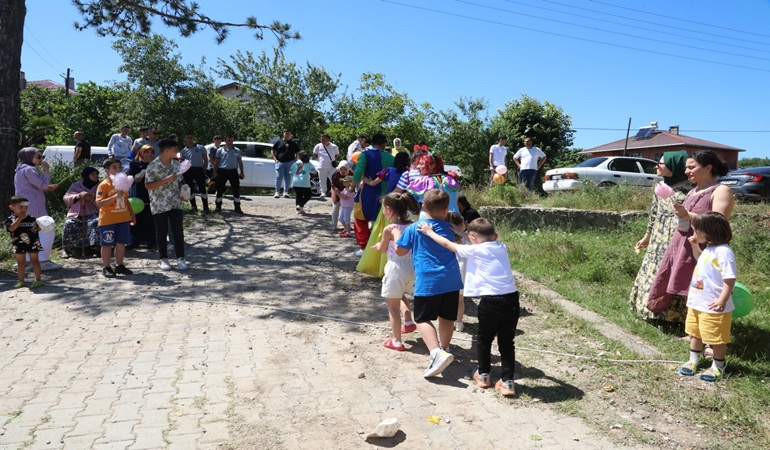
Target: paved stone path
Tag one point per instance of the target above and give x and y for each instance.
(274, 343)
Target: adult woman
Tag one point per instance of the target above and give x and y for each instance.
(660, 228)
(29, 182)
(144, 229)
(432, 176)
(81, 200)
(675, 271)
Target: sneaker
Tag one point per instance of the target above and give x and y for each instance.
(344, 234)
(711, 375)
(688, 368)
(120, 269)
(459, 326)
(408, 328)
(36, 284)
(298, 208)
(506, 388)
(19, 285)
(277, 195)
(181, 264)
(286, 196)
(49, 265)
(358, 252)
(322, 196)
(164, 265)
(438, 362)
(482, 379)
(389, 344)
(301, 210)
(108, 272)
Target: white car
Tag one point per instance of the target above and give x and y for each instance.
(603, 171)
(65, 153)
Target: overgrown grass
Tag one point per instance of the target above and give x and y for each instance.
(597, 268)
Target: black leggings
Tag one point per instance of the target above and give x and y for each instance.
(303, 195)
(162, 220)
(231, 175)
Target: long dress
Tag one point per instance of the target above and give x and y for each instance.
(660, 225)
(676, 267)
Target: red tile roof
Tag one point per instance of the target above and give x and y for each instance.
(48, 84)
(662, 139)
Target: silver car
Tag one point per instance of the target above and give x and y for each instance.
(603, 171)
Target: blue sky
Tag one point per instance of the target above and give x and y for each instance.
(701, 64)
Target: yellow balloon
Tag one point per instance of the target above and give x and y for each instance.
(498, 179)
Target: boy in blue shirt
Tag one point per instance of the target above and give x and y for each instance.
(437, 281)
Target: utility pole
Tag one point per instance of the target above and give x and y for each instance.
(67, 84)
(628, 130)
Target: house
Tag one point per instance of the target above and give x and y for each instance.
(650, 142)
(46, 84)
(234, 90)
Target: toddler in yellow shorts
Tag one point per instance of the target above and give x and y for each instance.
(709, 300)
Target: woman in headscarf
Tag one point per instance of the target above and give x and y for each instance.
(31, 183)
(81, 200)
(144, 229)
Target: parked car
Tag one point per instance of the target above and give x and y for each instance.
(65, 153)
(751, 184)
(603, 171)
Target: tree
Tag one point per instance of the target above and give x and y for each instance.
(545, 123)
(109, 18)
(379, 108)
(744, 163)
(283, 94)
(463, 138)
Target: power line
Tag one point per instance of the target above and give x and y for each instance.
(611, 32)
(680, 129)
(29, 31)
(29, 45)
(681, 20)
(518, 27)
(643, 28)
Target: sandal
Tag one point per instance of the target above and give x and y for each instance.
(36, 284)
(688, 368)
(19, 284)
(711, 375)
(389, 344)
(408, 328)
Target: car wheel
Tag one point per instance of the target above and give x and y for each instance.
(606, 184)
(315, 187)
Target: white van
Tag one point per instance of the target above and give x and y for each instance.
(65, 153)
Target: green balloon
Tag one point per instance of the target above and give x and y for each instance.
(137, 204)
(743, 300)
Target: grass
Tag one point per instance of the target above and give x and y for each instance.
(597, 268)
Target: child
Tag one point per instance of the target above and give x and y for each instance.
(25, 240)
(458, 223)
(115, 220)
(437, 281)
(391, 175)
(489, 277)
(301, 170)
(709, 301)
(162, 182)
(346, 198)
(399, 271)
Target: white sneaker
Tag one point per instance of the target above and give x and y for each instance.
(164, 265)
(298, 208)
(358, 252)
(438, 363)
(459, 326)
(302, 210)
(49, 265)
(322, 196)
(180, 264)
(276, 195)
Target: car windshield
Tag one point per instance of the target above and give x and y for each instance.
(593, 162)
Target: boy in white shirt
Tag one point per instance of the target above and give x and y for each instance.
(489, 277)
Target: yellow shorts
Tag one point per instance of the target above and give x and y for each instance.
(712, 329)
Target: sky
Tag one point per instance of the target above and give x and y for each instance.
(703, 65)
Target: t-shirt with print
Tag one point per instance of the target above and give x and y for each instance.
(115, 211)
(301, 174)
(528, 157)
(26, 237)
(194, 154)
(228, 157)
(166, 197)
(714, 265)
(488, 269)
(119, 146)
(436, 268)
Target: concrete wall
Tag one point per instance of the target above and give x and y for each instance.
(529, 218)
